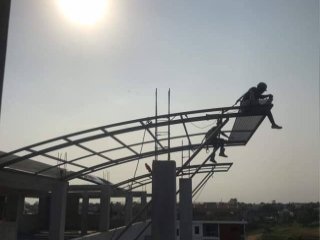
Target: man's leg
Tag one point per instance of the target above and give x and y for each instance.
(222, 149)
(212, 159)
(269, 114)
(271, 119)
(215, 146)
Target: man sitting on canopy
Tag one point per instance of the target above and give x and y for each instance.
(253, 98)
(216, 141)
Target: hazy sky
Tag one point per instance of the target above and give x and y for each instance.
(62, 76)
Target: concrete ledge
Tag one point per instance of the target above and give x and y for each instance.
(129, 235)
(25, 181)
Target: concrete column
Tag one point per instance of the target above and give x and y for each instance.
(128, 208)
(20, 209)
(58, 204)
(43, 212)
(185, 207)
(72, 214)
(84, 213)
(104, 209)
(4, 25)
(143, 203)
(164, 204)
(2, 206)
(11, 208)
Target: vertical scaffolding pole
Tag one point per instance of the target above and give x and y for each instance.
(4, 26)
(182, 159)
(189, 163)
(156, 128)
(169, 125)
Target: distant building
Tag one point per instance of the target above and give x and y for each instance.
(217, 230)
(285, 213)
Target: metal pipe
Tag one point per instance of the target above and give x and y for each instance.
(206, 180)
(169, 125)
(202, 164)
(199, 184)
(182, 159)
(156, 128)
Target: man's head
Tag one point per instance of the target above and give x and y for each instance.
(262, 87)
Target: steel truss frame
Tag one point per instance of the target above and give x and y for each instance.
(147, 178)
(126, 127)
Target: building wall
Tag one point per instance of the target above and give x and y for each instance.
(8, 230)
(29, 223)
(231, 232)
(221, 231)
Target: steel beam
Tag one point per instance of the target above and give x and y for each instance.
(55, 158)
(188, 167)
(200, 172)
(119, 161)
(88, 149)
(122, 143)
(124, 160)
(156, 139)
(207, 117)
(185, 129)
(119, 148)
(98, 136)
(202, 182)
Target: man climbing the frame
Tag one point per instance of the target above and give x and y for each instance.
(253, 97)
(216, 141)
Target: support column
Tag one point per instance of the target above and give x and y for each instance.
(128, 208)
(11, 208)
(2, 206)
(84, 213)
(72, 214)
(43, 212)
(143, 203)
(14, 210)
(164, 204)
(58, 210)
(4, 25)
(20, 209)
(185, 207)
(104, 209)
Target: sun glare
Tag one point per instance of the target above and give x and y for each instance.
(84, 11)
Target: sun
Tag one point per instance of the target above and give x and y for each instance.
(84, 11)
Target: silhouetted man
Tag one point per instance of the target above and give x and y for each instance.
(254, 97)
(216, 141)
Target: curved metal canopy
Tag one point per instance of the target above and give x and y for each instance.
(21, 159)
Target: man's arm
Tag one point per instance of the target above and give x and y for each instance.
(266, 96)
(252, 97)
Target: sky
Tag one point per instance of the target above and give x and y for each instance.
(64, 76)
